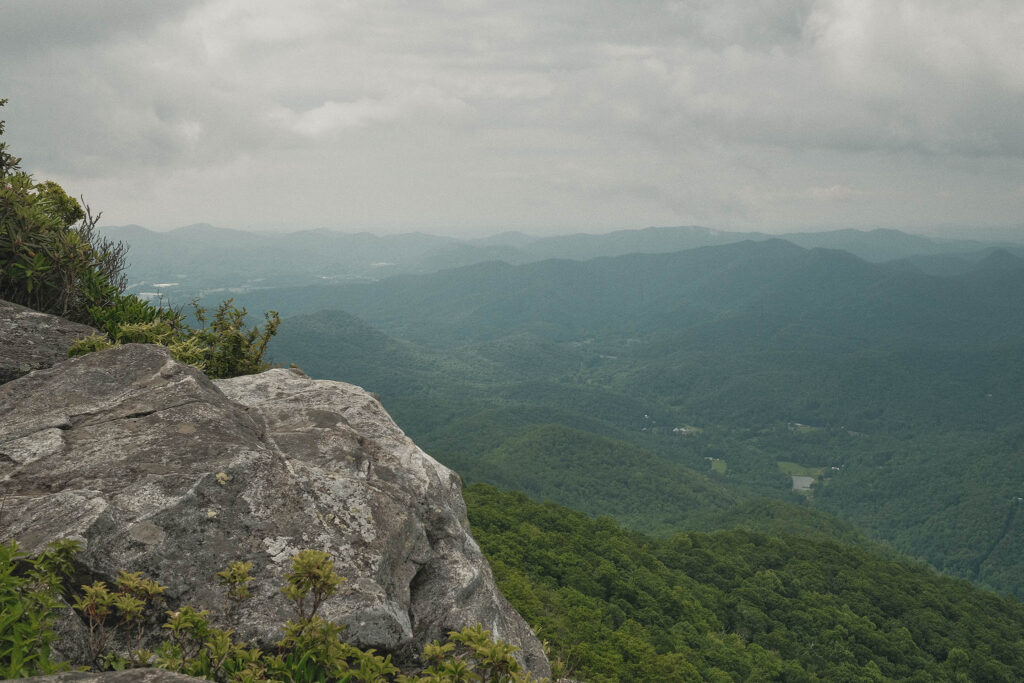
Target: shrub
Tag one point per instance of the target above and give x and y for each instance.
(223, 347)
(29, 594)
(229, 348)
(51, 258)
(310, 650)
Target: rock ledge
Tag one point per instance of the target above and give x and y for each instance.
(156, 468)
(33, 340)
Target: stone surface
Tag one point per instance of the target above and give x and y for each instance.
(30, 340)
(156, 468)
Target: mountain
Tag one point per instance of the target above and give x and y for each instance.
(881, 245)
(874, 245)
(894, 390)
(747, 294)
(201, 258)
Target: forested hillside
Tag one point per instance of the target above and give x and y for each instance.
(737, 605)
(720, 373)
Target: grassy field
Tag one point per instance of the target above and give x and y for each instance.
(792, 468)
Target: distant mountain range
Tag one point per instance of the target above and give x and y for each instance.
(560, 377)
(673, 387)
(200, 258)
(749, 295)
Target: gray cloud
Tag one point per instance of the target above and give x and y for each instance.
(37, 26)
(473, 114)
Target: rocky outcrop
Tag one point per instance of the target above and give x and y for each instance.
(156, 468)
(30, 340)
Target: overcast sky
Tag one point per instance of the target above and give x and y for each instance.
(467, 117)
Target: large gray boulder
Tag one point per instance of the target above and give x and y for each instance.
(156, 468)
(30, 340)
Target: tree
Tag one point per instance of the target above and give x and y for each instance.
(51, 257)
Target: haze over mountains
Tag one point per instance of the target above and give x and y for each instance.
(676, 377)
(202, 257)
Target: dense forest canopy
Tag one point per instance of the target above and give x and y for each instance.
(737, 605)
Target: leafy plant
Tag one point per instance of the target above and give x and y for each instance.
(108, 611)
(51, 257)
(223, 347)
(229, 348)
(235, 578)
(472, 655)
(311, 580)
(53, 260)
(29, 595)
(311, 648)
(131, 310)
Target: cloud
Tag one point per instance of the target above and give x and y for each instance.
(835, 193)
(33, 27)
(494, 113)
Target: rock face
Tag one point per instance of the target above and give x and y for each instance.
(156, 468)
(30, 340)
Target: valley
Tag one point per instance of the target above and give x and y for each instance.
(569, 380)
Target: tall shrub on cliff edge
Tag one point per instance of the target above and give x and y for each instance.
(53, 260)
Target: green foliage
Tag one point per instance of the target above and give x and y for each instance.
(229, 349)
(236, 580)
(48, 261)
(30, 592)
(310, 650)
(51, 258)
(222, 347)
(310, 582)
(131, 310)
(471, 655)
(108, 611)
(591, 473)
(737, 605)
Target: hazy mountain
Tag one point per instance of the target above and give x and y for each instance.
(769, 294)
(770, 357)
(763, 353)
(875, 245)
(201, 258)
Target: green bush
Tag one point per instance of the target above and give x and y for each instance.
(51, 258)
(29, 594)
(229, 348)
(311, 649)
(223, 347)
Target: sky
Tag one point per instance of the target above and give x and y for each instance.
(479, 116)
